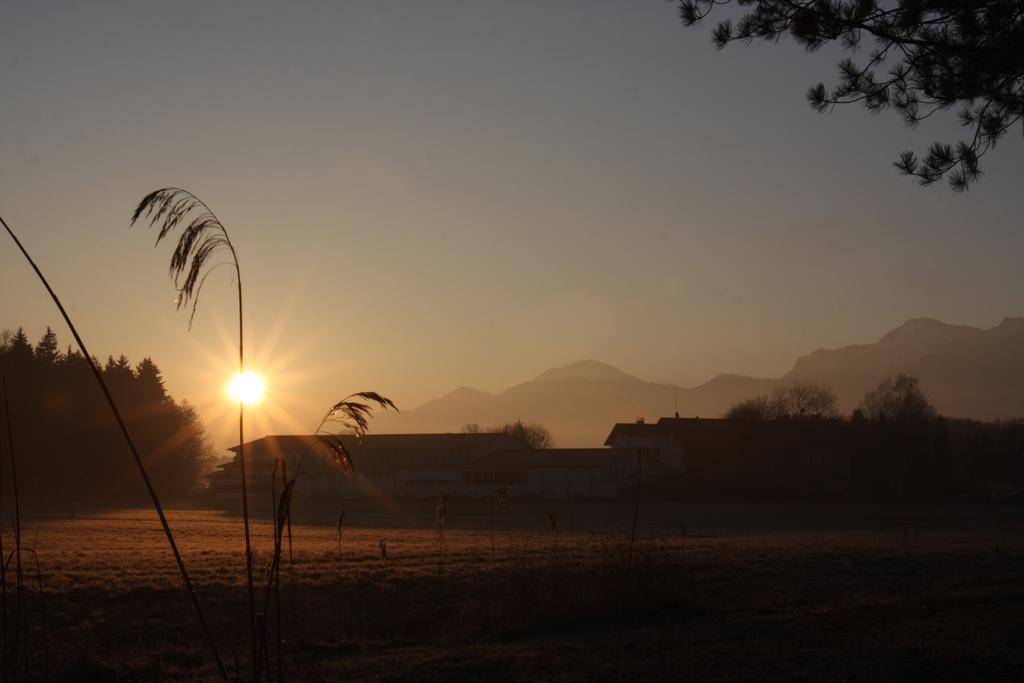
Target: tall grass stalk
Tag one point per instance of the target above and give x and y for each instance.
(42, 609)
(632, 543)
(134, 450)
(276, 579)
(553, 526)
(500, 500)
(441, 518)
(3, 584)
(636, 504)
(347, 414)
(19, 583)
(280, 516)
(341, 528)
(200, 239)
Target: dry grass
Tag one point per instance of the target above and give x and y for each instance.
(921, 599)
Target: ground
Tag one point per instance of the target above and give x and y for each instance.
(708, 592)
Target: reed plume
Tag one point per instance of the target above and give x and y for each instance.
(131, 446)
(203, 238)
(347, 414)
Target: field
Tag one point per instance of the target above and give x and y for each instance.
(709, 592)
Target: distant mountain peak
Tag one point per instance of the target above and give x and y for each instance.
(1011, 324)
(728, 377)
(927, 329)
(587, 370)
(465, 392)
(965, 371)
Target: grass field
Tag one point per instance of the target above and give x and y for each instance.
(711, 592)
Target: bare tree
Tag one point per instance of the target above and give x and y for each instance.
(897, 399)
(533, 435)
(805, 400)
(757, 408)
(799, 400)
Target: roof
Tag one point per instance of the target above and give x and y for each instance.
(275, 444)
(634, 429)
(551, 458)
(699, 428)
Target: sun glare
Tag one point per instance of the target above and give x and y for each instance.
(246, 387)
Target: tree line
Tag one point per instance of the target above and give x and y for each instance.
(896, 399)
(899, 446)
(66, 441)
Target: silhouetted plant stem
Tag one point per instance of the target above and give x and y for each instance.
(42, 610)
(245, 490)
(203, 236)
(275, 578)
(19, 606)
(291, 557)
(241, 459)
(500, 499)
(636, 505)
(351, 415)
(3, 584)
(494, 504)
(277, 603)
(280, 516)
(629, 559)
(441, 518)
(341, 527)
(134, 450)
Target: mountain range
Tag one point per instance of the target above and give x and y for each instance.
(965, 371)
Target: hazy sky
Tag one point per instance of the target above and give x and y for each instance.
(433, 194)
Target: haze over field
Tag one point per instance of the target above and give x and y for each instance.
(965, 371)
(429, 195)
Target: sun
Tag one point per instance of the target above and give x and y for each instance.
(246, 387)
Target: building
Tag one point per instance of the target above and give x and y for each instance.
(432, 465)
(553, 473)
(396, 465)
(805, 459)
(748, 458)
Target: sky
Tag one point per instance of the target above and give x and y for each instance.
(432, 195)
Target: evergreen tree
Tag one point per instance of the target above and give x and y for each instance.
(46, 349)
(74, 445)
(71, 357)
(149, 382)
(19, 351)
(118, 373)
